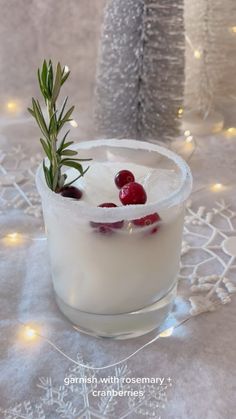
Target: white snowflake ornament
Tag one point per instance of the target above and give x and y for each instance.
(208, 256)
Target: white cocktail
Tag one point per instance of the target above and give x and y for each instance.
(114, 275)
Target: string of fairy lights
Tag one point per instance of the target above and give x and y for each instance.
(32, 332)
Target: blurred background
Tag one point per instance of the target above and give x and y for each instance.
(31, 30)
(187, 51)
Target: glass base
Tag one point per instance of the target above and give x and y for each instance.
(121, 326)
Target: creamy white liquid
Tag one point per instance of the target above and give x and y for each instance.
(122, 272)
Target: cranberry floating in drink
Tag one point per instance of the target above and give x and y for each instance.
(123, 177)
(107, 228)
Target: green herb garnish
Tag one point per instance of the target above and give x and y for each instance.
(57, 151)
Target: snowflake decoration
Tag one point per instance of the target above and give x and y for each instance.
(17, 182)
(24, 410)
(208, 265)
(77, 400)
(209, 244)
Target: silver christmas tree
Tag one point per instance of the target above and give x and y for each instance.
(210, 53)
(140, 74)
(222, 22)
(199, 86)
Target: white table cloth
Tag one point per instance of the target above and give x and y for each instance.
(195, 366)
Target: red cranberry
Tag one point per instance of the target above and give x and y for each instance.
(132, 194)
(106, 228)
(147, 221)
(71, 192)
(123, 177)
(107, 205)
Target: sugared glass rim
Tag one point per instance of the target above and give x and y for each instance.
(127, 212)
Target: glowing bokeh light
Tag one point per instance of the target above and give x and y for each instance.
(28, 333)
(189, 139)
(197, 54)
(13, 239)
(187, 132)
(180, 112)
(74, 123)
(217, 187)
(166, 333)
(13, 106)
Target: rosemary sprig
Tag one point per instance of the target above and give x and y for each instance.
(57, 151)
